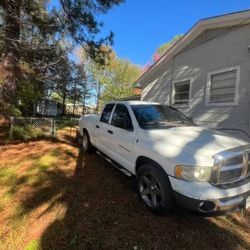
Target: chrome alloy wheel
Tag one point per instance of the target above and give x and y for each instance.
(150, 190)
(85, 142)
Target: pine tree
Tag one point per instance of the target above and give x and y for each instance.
(28, 24)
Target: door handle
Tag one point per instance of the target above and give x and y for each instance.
(97, 126)
(110, 131)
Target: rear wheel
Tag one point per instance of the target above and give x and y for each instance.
(154, 189)
(86, 144)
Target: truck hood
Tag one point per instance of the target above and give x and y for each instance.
(197, 140)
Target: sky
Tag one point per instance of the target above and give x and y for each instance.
(141, 26)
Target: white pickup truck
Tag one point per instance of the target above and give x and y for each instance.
(174, 160)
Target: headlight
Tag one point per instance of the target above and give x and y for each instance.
(189, 173)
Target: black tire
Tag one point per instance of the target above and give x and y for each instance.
(154, 189)
(86, 144)
(78, 138)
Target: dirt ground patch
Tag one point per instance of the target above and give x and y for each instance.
(52, 196)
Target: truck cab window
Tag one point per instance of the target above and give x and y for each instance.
(121, 118)
(159, 117)
(107, 112)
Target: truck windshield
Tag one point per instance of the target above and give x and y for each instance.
(159, 116)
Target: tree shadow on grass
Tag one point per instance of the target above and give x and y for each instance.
(102, 212)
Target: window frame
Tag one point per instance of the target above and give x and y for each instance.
(111, 113)
(190, 79)
(236, 93)
(111, 118)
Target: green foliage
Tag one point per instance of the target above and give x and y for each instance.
(114, 80)
(122, 75)
(78, 19)
(79, 88)
(7, 176)
(164, 47)
(41, 41)
(26, 133)
(56, 97)
(33, 245)
(11, 110)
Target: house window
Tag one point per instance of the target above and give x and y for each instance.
(181, 92)
(222, 87)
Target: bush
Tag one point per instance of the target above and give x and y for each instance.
(11, 110)
(26, 133)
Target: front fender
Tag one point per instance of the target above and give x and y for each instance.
(169, 155)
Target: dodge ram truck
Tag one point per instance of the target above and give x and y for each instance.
(174, 160)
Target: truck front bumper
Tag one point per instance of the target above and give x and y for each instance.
(206, 198)
(213, 206)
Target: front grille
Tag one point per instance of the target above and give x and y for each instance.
(228, 176)
(232, 167)
(234, 160)
(234, 184)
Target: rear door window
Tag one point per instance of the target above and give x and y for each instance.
(107, 112)
(121, 112)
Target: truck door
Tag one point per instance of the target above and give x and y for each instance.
(123, 136)
(102, 130)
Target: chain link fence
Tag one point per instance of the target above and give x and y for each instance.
(41, 125)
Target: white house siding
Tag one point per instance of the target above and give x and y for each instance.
(223, 52)
(159, 85)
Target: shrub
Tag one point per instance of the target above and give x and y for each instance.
(26, 133)
(11, 110)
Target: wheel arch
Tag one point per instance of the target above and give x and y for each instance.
(85, 130)
(141, 160)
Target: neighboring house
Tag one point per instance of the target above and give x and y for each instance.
(78, 109)
(53, 108)
(206, 73)
(47, 107)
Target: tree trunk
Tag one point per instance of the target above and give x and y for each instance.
(98, 95)
(84, 102)
(74, 102)
(64, 100)
(10, 59)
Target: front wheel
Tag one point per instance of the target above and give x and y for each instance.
(154, 189)
(86, 144)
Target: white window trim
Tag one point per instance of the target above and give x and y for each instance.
(190, 79)
(208, 85)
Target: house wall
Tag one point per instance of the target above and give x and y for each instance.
(158, 85)
(222, 52)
